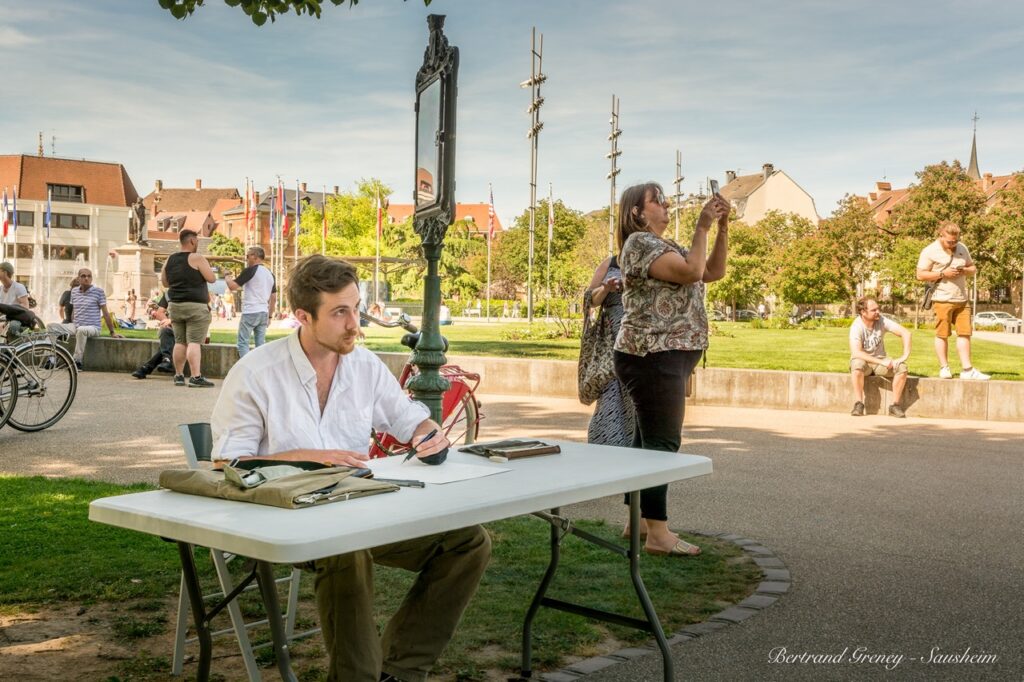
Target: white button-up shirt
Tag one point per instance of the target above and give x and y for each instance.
(268, 404)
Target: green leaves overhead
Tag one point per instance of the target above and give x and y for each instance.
(258, 10)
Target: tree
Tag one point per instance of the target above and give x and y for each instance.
(1006, 225)
(809, 272)
(258, 10)
(221, 245)
(944, 192)
(854, 239)
(510, 258)
(747, 267)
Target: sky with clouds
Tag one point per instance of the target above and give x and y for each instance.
(839, 95)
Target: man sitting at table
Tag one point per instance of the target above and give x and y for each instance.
(314, 396)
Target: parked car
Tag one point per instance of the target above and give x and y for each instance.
(998, 317)
(746, 315)
(717, 316)
(808, 315)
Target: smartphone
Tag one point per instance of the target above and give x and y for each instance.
(714, 187)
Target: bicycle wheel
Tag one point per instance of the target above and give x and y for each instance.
(8, 390)
(47, 382)
(462, 423)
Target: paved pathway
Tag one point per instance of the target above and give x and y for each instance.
(1001, 337)
(902, 536)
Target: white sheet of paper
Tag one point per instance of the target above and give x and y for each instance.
(415, 470)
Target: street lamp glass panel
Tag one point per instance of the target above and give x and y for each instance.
(428, 170)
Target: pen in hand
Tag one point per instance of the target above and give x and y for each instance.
(412, 450)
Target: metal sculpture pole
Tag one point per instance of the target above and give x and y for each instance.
(614, 155)
(679, 188)
(434, 199)
(537, 77)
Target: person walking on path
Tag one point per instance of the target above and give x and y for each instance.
(259, 295)
(947, 262)
(867, 355)
(664, 331)
(186, 275)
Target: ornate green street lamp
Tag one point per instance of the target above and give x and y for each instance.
(434, 199)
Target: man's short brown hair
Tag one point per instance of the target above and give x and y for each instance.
(949, 227)
(862, 304)
(314, 275)
(185, 235)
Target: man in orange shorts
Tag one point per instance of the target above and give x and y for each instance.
(947, 262)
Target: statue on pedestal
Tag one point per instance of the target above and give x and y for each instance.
(137, 232)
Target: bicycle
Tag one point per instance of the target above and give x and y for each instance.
(460, 410)
(38, 381)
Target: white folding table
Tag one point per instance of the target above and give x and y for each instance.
(271, 535)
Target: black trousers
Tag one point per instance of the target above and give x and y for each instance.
(657, 384)
(162, 355)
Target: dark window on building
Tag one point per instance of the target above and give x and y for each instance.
(69, 252)
(72, 193)
(24, 251)
(25, 218)
(70, 221)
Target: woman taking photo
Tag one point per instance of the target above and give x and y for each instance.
(664, 331)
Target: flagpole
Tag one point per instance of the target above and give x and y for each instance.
(273, 238)
(298, 220)
(376, 262)
(490, 236)
(551, 226)
(49, 253)
(323, 229)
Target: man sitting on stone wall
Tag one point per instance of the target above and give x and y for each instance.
(162, 359)
(867, 355)
(90, 310)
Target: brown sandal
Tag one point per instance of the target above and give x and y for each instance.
(681, 548)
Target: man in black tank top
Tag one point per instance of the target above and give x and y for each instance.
(186, 275)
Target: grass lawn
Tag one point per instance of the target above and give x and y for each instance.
(51, 555)
(734, 344)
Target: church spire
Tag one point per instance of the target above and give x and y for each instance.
(972, 169)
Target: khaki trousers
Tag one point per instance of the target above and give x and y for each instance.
(450, 566)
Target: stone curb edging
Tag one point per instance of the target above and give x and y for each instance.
(775, 581)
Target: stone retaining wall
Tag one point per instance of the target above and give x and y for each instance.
(822, 391)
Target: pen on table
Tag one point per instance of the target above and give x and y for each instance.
(402, 482)
(412, 450)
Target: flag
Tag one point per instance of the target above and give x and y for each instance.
(248, 198)
(282, 209)
(490, 216)
(7, 218)
(551, 218)
(49, 197)
(254, 219)
(380, 216)
(273, 215)
(15, 219)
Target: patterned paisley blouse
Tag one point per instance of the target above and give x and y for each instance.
(659, 315)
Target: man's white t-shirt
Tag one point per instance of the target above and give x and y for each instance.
(268, 404)
(934, 258)
(257, 282)
(872, 339)
(11, 295)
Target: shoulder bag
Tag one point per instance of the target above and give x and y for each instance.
(929, 289)
(595, 367)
